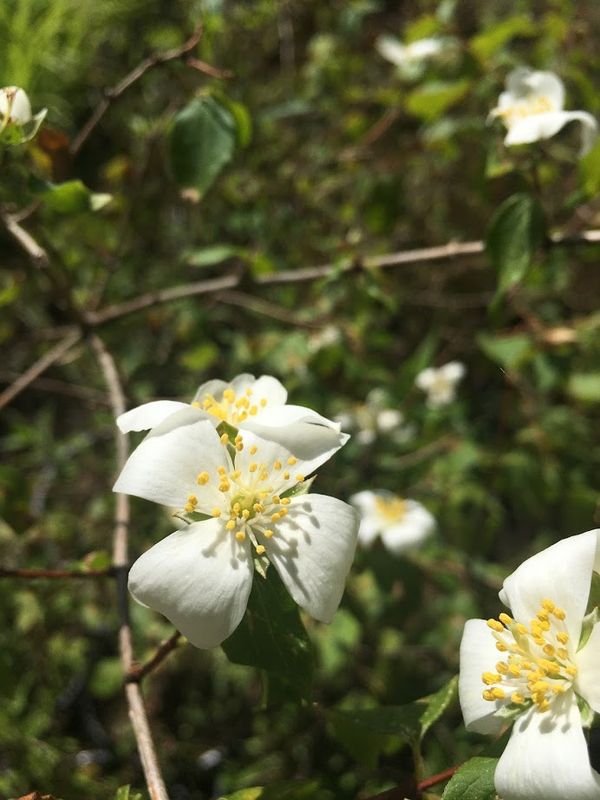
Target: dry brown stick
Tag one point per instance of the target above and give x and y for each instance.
(110, 95)
(208, 69)
(36, 252)
(36, 369)
(137, 710)
(399, 792)
(136, 673)
(33, 574)
(60, 387)
(260, 306)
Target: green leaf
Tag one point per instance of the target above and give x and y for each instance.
(125, 793)
(208, 256)
(473, 781)
(589, 171)
(72, 197)
(493, 39)
(585, 386)
(202, 142)
(365, 732)
(272, 637)
(435, 98)
(511, 352)
(282, 790)
(516, 231)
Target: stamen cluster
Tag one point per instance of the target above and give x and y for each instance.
(538, 664)
(231, 408)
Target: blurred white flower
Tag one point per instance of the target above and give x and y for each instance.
(440, 384)
(200, 577)
(14, 105)
(326, 337)
(373, 417)
(402, 524)
(547, 678)
(246, 403)
(531, 108)
(403, 55)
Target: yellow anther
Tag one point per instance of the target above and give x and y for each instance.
(501, 647)
(253, 410)
(230, 525)
(558, 688)
(224, 438)
(216, 512)
(240, 536)
(188, 508)
(239, 447)
(487, 694)
(260, 549)
(495, 625)
(549, 650)
(559, 613)
(275, 517)
(229, 394)
(502, 667)
(548, 605)
(276, 499)
(248, 392)
(263, 402)
(203, 478)
(520, 628)
(571, 670)
(292, 460)
(237, 473)
(299, 477)
(286, 476)
(221, 470)
(505, 618)
(239, 438)
(245, 513)
(490, 678)
(264, 475)
(253, 449)
(543, 705)
(514, 670)
(236, 507)
(540, 686)
(193, 499)
(277, 464)
(562, 637)
(258, 507)
(517, 698)
(195, 404)
(253, 467)
(282, 512)
(268, 533)
(224, 487)
(285, 501)
(499, 694)
(562, 653)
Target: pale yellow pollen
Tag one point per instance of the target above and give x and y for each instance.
(216, 512)
(248, 392)
(240, 536)
(517, 698)
(505, 618)
(260, 549)
(229, 394)
(499, 694)
(277, 464)
(224, 487)
(268, 533)
(487, 694)
(286, 476)
(299, 477)
(203, 478)
(253, 410)
(230, 525)
(221, 470)
(275, 517)
(195, 404)
(263, 402)
(489, 678)
(245, 513)
(562, 637)
(292, 460)
(559, 613)
(285, 501)
(253, 449)
(224, 438)
(253, 467)
(548, 605)
(495, 625)
(239, 447)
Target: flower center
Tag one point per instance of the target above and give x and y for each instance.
(231, 408)
(250, 503)
(391, 509)
(538, 665)
(529, 106)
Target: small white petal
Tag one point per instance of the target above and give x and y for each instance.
(270, 389)
(587, 660)
(426, 378)
(561, 573)
(414, 528)
(164, 467)
(312, 550)
(478, 654)
(391, 49)
(148, 415)
(369, 519)
(388, 419)
(214, 388)
(454, 371)
(547, 758)
(199, 578)
(14, 101)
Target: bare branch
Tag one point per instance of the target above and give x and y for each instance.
(137, 711)
(110, 95)
(136, 673)
(208, 69)
(260, 306)
(62, 574)
(36, 252)
(42, 364)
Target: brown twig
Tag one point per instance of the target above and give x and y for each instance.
(208, 69)
(137, 711)
(112, 94)
(33, 574)
(61, 387)
(399, 792)
(136, 673)
(435, 779)
(36, 369)
(36, 252)
(264, 307)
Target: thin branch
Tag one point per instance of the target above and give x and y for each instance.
(435, 779)
(110, 95)
(36, 369)
(35, 251)
(62, 574)
(264, 307)
(400, 792)
(137, 710)
(61, 387)
(208, 69)
(445, 252)
(136, 673)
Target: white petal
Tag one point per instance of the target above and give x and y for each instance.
(388, 419)
(561, 573)
(478, 654)
(543, 126)
(164, 467)
(214, 388)
(391, 49)
(426, 378)
(414, 528)
(270, 389)
(547, 758)
(312, 444)
(524, 83)
(369, 520)
(281, 415)
(15, 102)
(312, 550)
(453, 371)
(148, 415)
(199, 578)
(587, 661)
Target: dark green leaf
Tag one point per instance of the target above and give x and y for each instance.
(202, 142)
(516, 231)
(510, 352)
(73, 196)
(272, 637)
(473, 781)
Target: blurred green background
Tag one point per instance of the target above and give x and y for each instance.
(336, 155)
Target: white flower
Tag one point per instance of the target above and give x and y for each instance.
(251, 404)
(532, 109)
(539, 667)
(402, 524)
(373, 417)
(200, 577)
(407, 54)
(14, 105)
(440, 384)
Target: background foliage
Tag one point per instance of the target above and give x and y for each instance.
(327, 154)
